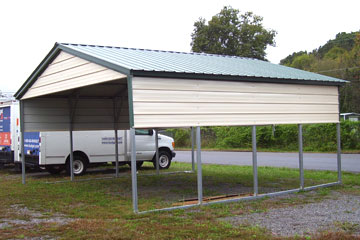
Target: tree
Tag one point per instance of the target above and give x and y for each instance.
(289, 59)
(232, 33)
(303, 62)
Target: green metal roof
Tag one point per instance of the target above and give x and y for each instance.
(155, 63)
(143, 60)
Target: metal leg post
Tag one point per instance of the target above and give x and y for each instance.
(301, 157)
(157, 152)
(126, 145)
(199, 169)
(338, 136)
(22, 142)
(192, 149)
(133, 170)
(116, 154)
(254, 158)
(71, 154)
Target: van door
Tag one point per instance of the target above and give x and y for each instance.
(145, 144)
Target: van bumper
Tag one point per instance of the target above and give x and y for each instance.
(173, 154)
(31, 161)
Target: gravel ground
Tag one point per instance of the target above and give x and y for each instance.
(340, 214)
(32, 218)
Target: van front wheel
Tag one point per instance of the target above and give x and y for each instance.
(164, 160)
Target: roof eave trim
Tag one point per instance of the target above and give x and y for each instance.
(142, 73)
(54, 52)
(90, 58)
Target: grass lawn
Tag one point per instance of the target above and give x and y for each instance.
(102, 209)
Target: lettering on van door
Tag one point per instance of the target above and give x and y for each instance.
(5, 139)
(110, 140)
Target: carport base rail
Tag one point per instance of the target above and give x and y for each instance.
(259, 196)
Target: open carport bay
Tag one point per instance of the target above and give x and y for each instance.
(312, 161)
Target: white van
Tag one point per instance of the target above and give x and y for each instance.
(51, 150)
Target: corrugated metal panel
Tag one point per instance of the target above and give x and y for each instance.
(196, 63)
(145, 121)
(210, 103)
(69, 72)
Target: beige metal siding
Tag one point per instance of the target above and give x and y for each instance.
(49, 114)
(182, 102)
(69, 72)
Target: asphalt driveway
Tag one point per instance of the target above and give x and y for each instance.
(315, 161)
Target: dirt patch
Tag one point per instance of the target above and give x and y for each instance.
(340, 214)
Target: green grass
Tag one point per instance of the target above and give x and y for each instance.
(102, 209)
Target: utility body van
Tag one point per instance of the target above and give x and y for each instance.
(9, 122)
(51, 150)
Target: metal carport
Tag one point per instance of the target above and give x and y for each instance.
(88, 87)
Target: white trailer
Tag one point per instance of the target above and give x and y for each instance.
(50, 150)
(9, 130)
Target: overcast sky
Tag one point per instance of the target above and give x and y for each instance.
(30, 28)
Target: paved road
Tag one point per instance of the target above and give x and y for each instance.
(316, 161)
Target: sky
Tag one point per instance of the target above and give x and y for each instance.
(29, 29)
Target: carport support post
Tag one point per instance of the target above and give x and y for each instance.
(301, 157)
(22, 142)
(157, 152)
(338, 137)
(199, 170)
(254, 159)
(116, 152)
(71, 153)
(116, 118)
(71, 119)
(133, 170)
(192, 149)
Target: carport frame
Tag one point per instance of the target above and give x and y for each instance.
(163, 74)
(256, 195)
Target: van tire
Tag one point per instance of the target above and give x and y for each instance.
(54, 169)
(164, 160)
(80, 165)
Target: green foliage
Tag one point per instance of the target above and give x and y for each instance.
(335, 53)
(232, 33)
(317, 137)
(342, 40)
(182, 136)
(289, 59)
(303, 62)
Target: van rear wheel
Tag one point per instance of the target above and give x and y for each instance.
(79, 166)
